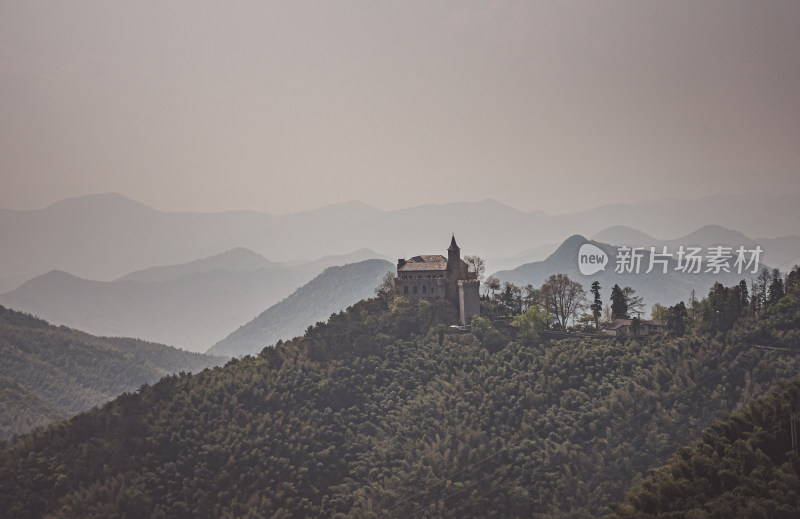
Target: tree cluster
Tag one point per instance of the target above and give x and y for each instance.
(560, 297)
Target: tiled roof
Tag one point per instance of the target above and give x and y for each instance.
(618, 323)
(426, 262)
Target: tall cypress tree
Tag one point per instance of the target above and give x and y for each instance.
(619, 303)
(597, 305)
(744, 296)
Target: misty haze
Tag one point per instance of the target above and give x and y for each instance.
(382, 259)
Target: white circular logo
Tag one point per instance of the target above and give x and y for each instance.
(591, 259)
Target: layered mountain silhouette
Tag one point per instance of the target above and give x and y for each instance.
(191, 305)
(756, 214)
(782, 252)
(197, 304)
(624, 235)
(103, 237)
(330, 292)
(237, 260)
(106, 236)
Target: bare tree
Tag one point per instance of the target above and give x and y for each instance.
(563, 298)
(607, 315)
(476, 265)
(531, 296)
(635, 303)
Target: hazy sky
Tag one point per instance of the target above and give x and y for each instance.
(283, 106)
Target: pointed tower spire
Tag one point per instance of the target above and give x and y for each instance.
(453, 254)
(453, 245)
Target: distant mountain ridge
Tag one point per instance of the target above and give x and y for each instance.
(191, 311)
(755, 214)
(624, 235)
(238, 259)
(191, 305)
(105, 237)
(781, 252)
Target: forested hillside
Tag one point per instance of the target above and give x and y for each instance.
(49, 372)
(21, 410)
(745, 466)
(382, 412)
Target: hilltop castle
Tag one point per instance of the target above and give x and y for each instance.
(434, 277)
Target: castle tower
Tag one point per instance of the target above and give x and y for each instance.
(469, 300)
(453, 254)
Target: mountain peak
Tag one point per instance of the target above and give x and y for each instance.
(715, 234)
(624, 235)
(237, 259)
(98, 202)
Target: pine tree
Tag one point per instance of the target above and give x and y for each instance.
(744, 298)
(776, 291)
(619, 303)
(597, 305)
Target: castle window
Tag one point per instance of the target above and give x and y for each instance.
(424, 289)
(405, 290)
(415, 289)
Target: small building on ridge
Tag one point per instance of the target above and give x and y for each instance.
(621, 328)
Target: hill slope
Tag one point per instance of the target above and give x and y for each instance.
(744, 466)
(62, 371)
(330, 292)
(380, 413)
(21, 410)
